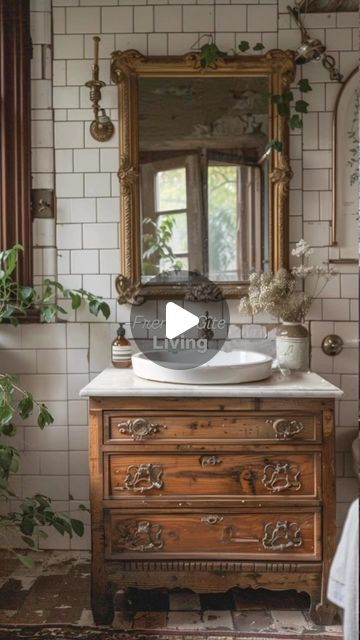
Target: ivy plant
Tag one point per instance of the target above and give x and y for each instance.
(32, 515)
(286, 104)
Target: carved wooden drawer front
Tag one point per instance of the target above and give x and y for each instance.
(283, 427)
(271, 533)
(287, 474)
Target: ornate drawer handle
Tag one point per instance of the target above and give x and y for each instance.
(140, 428)
(281, 476)
(139, 535)
(212, 518)
(210, 461)
(228, 536)
(143, 477)
(281, 535)
(285, 428)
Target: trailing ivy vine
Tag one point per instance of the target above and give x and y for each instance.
(353, 135)
(287, 105)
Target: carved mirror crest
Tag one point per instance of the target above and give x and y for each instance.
(199, 190)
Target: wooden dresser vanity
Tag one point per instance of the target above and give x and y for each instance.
(209, 488)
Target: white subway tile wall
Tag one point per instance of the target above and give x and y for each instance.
(55, 361)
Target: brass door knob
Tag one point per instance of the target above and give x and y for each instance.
(332, 345)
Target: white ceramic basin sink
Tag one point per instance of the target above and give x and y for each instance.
(223, 368)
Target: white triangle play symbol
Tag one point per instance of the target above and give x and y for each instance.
(178, 320)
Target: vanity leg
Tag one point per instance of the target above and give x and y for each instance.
(123, 603)
(323, 613)
(102, 606)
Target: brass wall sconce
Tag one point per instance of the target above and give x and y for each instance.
(101, 127)
(311, 49)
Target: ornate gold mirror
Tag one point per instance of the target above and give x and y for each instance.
(199, 189)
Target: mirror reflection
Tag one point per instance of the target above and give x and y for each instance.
(204, 175)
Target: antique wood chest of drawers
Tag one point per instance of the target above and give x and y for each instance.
(211, 488)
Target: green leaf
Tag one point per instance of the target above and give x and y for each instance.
(10, 258)
(29, 541)
(9, 430)
(209, 54)
(26, 293)
(301, 106)
(105, 309)
(75, 300)
(243, 46)
(25, 560)
(43, 501)
(283, 109)
(44, 417)
(287, 96)
(276, 145)
(295, 122)
(304, 85)
(14, 467)
(53, 284)
(48, 312)
(6, 414)
(26, 406)
(258, 46)
(77, 526)
(94, 307)
(27, 527)
(58, 526)
(9, 310)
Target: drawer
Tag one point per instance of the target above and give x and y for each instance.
(258, 427)
(269, 534)
(288, 474)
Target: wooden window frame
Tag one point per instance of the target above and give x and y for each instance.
(15, 133)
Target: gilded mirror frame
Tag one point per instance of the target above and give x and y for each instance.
(126, 68)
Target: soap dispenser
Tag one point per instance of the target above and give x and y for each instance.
(121, 349)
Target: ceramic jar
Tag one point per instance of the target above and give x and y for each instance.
(292, 346)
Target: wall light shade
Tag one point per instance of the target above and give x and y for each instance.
(311, 49)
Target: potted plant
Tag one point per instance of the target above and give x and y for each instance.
(280, 294)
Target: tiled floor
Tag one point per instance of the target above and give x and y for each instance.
(56, 590)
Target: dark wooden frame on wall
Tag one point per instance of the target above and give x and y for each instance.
(15, 147)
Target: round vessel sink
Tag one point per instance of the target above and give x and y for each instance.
(223, 368)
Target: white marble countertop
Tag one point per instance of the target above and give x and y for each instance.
(123, 382)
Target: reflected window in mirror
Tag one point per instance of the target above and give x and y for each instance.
(203, 175)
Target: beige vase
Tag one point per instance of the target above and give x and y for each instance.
(292, 346)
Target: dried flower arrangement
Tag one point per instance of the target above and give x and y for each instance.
(278, 293)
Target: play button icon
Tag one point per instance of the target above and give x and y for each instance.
(178, 320)
(185, 331)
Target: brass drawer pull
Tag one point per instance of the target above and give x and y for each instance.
(138, 535)
(281, 535)
(229, 536)
(143, 477)
(210, 461)
(140, 428)
(286, 429)
(213, 518)
(281, 476)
